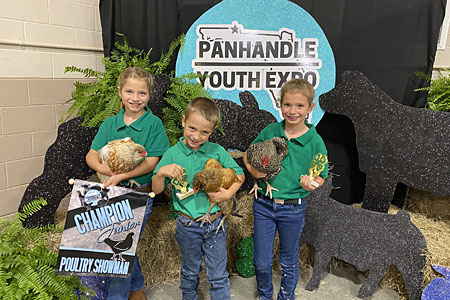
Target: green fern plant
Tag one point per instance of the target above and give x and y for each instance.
(96, 101)
(438, 90)
(27, 266)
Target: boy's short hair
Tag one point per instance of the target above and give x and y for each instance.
(137, 73)
(206, 107)
(298, 85)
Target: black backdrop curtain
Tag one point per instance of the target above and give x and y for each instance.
(384, 39)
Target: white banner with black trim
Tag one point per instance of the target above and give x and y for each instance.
(102, 230)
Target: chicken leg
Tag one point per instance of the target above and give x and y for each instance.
(226, 207)
(207, 216)
(221, 225)
(269, 189)
(255, 189)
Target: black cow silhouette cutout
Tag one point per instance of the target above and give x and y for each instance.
(395, 142)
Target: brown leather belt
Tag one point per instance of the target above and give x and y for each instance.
(211, 217)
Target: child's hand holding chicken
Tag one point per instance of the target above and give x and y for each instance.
(220, 196)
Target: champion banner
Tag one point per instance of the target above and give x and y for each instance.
(102, 230)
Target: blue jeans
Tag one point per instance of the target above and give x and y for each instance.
(288, 219)
(120, 287)
(196, 242)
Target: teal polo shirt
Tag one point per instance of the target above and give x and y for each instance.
(194, 161)
(296, 163)
(148, 131)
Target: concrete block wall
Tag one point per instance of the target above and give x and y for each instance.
(38, 39)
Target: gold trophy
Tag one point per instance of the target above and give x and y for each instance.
(182, 186)
(317, 165)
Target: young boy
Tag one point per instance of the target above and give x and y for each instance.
(136, 121)
(285, 213)
(189, 156)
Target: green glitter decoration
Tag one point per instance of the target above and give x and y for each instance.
(245, 267)
(244, 252)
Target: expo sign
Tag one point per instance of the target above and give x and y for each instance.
(231, 57)
(257, 47)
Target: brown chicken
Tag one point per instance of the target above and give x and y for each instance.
(267, 157)
(211, 179)
(121, 156)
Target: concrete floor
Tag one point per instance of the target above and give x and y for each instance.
(340, 284)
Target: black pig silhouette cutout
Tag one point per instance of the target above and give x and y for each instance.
(65, 158)
(241, 125)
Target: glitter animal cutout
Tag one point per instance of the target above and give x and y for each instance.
(364, 239)
(395, 142)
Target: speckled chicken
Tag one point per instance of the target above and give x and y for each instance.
(121, 156)
(211, 179)
(267, 157)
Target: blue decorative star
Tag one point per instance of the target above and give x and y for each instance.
(439, 288)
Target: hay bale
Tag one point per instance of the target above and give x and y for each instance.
(428, 204)
(164, 267)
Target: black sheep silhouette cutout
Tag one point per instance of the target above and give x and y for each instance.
(396, 143)
(367, 239)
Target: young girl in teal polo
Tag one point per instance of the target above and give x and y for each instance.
(287, 214)
(136, 121)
